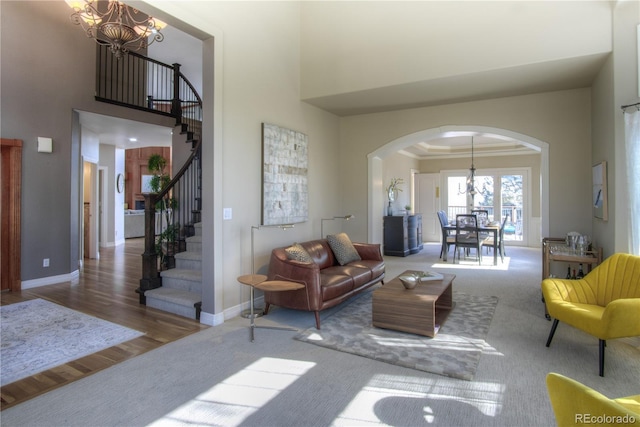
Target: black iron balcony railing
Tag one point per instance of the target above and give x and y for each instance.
(135, 81)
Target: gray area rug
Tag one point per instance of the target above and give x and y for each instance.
(454, 352)
(37, 335)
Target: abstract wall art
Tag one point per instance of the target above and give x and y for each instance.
(600, 202)
(285, 197)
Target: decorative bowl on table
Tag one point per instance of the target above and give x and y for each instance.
(409, 281)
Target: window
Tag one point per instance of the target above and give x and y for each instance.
(502, 192)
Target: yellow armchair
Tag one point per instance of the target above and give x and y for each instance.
(605, 303)
(575, 404)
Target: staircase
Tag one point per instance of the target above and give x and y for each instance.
(175, 283)
(181, 290)
(172, 260)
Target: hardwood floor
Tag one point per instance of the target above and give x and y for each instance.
(105, 289)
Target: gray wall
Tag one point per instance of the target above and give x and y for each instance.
(48, 70)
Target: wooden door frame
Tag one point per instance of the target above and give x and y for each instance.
(14, 189)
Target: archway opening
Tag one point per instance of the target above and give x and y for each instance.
(376, 162)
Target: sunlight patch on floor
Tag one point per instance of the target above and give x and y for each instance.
(473, 265)
(236, 398)
(370, 405)
(315, 337)
(444, 341)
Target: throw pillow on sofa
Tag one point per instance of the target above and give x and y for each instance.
(298, 253)
(342, 248)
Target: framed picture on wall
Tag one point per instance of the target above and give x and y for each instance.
(600, 190)
(285, 196)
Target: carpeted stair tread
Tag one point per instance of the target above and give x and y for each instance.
(189, 255)
(184, 274)
(181, 286)
(175, 296)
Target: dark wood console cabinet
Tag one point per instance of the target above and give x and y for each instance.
(414, 229)
(402, 235)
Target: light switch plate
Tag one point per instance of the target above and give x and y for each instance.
(227, 213)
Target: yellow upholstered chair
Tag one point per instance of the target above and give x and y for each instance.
(575, 404)
(605, 303)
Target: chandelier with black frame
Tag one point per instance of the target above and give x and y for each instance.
(471, 180)
(112, 23)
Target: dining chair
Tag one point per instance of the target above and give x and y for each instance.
(467, 236)
(445, 217)
(489, 241)
(483, 219)
(448, 236)
(482, 214)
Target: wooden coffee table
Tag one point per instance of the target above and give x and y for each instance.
(420, 310)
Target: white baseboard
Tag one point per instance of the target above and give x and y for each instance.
(231, 312)
(211, 319)
(51, 280)
(112, 244)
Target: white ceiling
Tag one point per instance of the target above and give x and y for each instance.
(118, 132)
(458, 144)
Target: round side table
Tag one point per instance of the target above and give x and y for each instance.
(252, 280)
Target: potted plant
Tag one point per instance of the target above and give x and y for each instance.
(392, 189)
(156, 164)
(166, 241)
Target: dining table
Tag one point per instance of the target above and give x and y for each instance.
(491, 227)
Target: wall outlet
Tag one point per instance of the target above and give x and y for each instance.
(45, 262)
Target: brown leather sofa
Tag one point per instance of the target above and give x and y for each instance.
(327, 283)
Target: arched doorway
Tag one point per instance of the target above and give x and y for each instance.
(375, 168)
